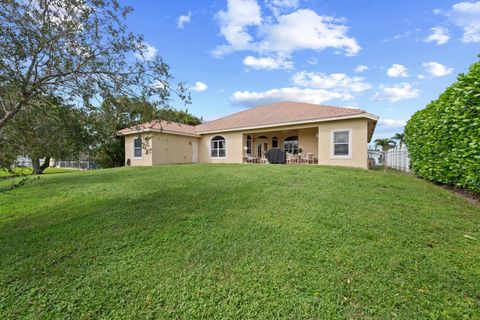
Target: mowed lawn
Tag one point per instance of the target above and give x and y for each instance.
(237, 241)
(27, 171)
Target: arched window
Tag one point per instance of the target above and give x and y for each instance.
(274, 142)
(249, 145)
(291, 145)
(218, 147)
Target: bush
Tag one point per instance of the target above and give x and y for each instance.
(444, 138)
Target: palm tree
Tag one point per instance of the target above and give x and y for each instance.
(386, 144)
(400, 137)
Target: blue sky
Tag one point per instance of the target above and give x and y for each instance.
(387, 57)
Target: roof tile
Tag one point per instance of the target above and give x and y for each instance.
(264, 115)
(276, 113)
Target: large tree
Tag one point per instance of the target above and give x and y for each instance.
(52, 129)
(79, 50)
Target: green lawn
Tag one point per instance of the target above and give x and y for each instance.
(237, 241)
(26, 171)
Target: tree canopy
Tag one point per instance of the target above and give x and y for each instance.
(80, 50)
(53, 129)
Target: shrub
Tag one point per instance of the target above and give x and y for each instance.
(444, 138)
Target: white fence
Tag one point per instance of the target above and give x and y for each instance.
(398, 159)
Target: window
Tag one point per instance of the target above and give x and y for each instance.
(218, 147)
(137, 148)
(291, 145)
(249, 145)
(274, 142)
(341, 143)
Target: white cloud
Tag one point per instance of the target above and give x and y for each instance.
(268, 63)
(361, 68)
(277, 6)
(392, 123)
(467, 16)
(240, 14)
(437, 11)
(317, 96)
(439, 36)
(436, 69)
(183, 20)
(305, 29)
(146, 52)
(199, 87)
(396, 93)
(421, 76)
(338, 82)
(402, 35)
(283, 34)
(397, 70)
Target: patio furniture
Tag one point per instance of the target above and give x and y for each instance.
(290, 158)
(308, 158)
(251, 159)
(276, 156)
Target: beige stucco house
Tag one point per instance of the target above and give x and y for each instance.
(330, 135)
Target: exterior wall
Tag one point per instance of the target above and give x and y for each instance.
(234, 142)
(307, 140)
(315, 138)
(146, 159)
(359, 147)
(171, 148)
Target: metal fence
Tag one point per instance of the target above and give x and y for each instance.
(397, 159)
(70, 164)
(79, 164)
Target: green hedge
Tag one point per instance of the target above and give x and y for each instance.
(444, 138)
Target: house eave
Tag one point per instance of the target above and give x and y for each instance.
(158, 131)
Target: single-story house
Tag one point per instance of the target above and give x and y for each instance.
(330, 135)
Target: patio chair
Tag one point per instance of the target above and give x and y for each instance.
(308, 158)
(289, 157)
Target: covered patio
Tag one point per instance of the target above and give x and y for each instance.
(300, 145)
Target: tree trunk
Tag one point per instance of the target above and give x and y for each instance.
(37, 168)
(384, 161)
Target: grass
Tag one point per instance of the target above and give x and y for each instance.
(237, 241)
(26, 171)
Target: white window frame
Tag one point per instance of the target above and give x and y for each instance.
(332, 144)
(141, 149)
(210, 148)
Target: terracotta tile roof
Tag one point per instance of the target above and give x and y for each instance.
(264, 115)
(275, 114)
(161, 125)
